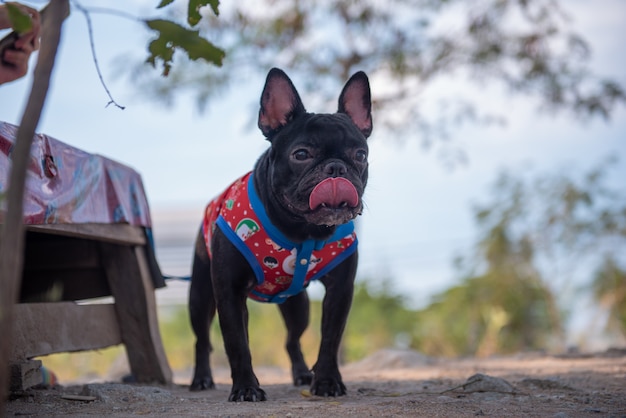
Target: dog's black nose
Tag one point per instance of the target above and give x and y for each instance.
(335, 169)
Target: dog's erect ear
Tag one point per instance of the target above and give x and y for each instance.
(356, 101)
(280, 102)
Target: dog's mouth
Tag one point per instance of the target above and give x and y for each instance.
(334, 193)
(333, 201)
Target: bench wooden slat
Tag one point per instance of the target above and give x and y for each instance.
(114, 233)
(61, 327)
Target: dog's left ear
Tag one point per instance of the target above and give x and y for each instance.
(356, 101)
(280, 103)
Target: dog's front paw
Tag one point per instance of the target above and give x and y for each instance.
(328, 387)
(201, 383)
(247, 393)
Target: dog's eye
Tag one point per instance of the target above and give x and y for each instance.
(301, 154)
(361, 156)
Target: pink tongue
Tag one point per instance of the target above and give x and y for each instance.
(334, 193)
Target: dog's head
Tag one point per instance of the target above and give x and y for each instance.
(317, 165)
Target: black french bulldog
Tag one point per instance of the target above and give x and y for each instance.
(277, 228)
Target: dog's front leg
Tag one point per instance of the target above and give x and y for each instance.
(339, 285)
(233, 321)
(232, 280)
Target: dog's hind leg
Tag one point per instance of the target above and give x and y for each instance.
(295, 312)
(201, 313)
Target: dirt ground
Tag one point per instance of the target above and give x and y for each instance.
(390, 383)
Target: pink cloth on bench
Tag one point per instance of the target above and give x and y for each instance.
(69, 186)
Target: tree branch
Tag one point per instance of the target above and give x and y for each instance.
(85, 12)
(12, 234)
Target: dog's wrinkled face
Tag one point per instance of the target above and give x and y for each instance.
(318, 163)
(320, 171)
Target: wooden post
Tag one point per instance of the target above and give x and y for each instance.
(129, 278)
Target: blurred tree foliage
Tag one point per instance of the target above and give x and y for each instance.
(609, 289)
(526, 46)
(507, 309)
(378, 319)
(537, 235)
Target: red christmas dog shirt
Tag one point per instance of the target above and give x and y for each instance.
(282, 268)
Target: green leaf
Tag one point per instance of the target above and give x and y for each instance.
(164, 3)
(193, 14)
(20, 21)
(159, 48)
(173, 36)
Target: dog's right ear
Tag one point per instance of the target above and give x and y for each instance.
(280, 103)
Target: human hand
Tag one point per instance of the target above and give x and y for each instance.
(14, 59)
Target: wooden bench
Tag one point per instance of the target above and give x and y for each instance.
(65, 263)
(87, 223)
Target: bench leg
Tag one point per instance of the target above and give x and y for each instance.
(128, 275)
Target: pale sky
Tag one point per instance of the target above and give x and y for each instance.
(417, 213)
